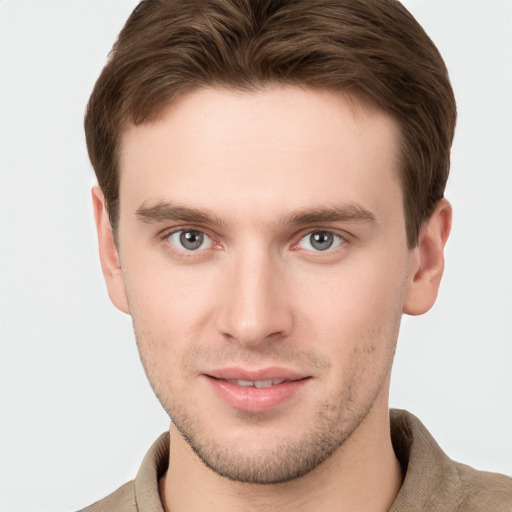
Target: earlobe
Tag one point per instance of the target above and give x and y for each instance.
(109, 255)
(427, 261)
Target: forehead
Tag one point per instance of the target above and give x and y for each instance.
(282, 147)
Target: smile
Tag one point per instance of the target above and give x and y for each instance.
(257, 383)
(256, 391)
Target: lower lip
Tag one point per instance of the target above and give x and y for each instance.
(256, 399)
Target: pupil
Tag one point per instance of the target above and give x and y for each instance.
(321, 241)
(191, 239)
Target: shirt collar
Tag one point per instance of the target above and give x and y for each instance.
(430, 476)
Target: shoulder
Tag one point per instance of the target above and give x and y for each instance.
(435, 483)
(121, 500)
(481, 490)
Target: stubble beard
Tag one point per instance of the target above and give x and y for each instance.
(334, 422)
(286, 461)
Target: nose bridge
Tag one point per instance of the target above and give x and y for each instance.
(253, 309)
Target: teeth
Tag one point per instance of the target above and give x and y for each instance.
(263, 383)
(244, 383)
(257, 383)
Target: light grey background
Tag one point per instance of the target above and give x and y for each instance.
(76, 412)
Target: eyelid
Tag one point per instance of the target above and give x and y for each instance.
(165, 234)
(216, 244)
(343, 236)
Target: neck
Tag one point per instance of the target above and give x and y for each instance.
(363, 474)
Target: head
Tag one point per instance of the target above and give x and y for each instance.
(271, 200)
(370, 48)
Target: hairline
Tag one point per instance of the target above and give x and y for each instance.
(356, 99)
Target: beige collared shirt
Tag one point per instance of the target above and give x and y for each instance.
(433, 482)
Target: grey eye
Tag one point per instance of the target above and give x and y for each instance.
(320, 241)
(190, 240)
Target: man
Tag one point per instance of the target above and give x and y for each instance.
(270, 201)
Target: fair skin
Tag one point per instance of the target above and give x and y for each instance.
(270, 253)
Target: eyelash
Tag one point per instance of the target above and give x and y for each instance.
(338, 240)
(183, 252)
(342, 239)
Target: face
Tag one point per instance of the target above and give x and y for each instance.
(264, 261)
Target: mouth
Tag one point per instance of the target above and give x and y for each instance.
(256, 384)
(256, 391)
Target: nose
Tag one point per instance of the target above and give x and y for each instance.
(254, 307)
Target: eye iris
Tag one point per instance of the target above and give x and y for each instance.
(321, 241)
(191, 240)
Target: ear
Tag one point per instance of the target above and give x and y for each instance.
(427, 261)
(109, 256)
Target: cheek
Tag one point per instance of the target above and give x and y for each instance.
(165, 315)
(170, 306)
(354, 313)
(161, 290)
(354, 295)
(356, 325)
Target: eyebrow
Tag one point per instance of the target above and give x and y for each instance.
(338, 213)
(165, 212)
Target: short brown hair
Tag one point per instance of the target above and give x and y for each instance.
(369, 47)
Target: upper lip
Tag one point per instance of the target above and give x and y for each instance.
(272, 373)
